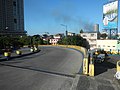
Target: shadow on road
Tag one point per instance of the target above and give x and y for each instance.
(38, 70)
(104, 66)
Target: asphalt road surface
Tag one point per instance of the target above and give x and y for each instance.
(53, 68)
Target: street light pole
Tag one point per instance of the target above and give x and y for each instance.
(66, 32)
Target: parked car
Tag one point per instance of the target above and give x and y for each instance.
(100, 58)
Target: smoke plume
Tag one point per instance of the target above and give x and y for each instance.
(65, 16)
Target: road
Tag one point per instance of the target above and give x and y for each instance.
(53, 68)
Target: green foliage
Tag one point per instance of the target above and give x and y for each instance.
(74, 40)
(19, 41)
(8, 41)
(36, 39)
(81, 31)
(25, 40)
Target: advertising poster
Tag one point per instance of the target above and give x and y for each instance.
(110, 15)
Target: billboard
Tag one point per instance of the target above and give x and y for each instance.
(110, 15)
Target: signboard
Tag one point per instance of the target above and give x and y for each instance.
(110, 15)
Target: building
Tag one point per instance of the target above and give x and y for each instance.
(56, 38)
(12, 17)
(91, 37)
(54, 41)
(109, 45)
(70, 34)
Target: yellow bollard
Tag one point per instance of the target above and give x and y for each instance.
(96, 53)
(18, 52)
(91, 69)
(118, 65)
(85, 66)
(32, 50)
(7, 54)
(35, 48)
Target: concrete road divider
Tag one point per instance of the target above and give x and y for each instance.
(118, 66)
(85, 66)
(82, 49)
(91, 69)
(117, 75)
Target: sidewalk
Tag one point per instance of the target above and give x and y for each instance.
(25, 52)
(104, 77)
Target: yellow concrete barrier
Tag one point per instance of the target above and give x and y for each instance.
(118, 65)
(91, 69)
(18, 52)
(82, 49)
(85, 66)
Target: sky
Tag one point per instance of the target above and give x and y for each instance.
(47, 15)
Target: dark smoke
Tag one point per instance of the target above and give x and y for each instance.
(88, 26)
(60, 15)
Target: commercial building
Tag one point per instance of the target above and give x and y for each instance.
(109, 45)
(12, 17)
(91, 37)
(56, 38)
(70, 34)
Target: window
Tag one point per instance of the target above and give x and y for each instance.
(84, 36)
(113, 46)
(103, 45)
(92, 34)
(15, 20)
(98, 45)
(14, 3)
(108, 46)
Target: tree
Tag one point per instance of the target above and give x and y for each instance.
(24, 40)
(81, 31)
(74, 40)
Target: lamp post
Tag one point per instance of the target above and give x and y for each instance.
(65, 32)
(66, 28)
(47, 33)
